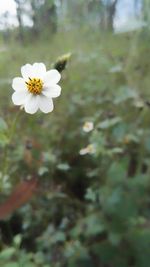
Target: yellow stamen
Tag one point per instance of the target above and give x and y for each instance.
(34, 85)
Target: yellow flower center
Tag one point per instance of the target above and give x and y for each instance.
(34, 86)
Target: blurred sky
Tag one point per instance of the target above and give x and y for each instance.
(125, 9)
(8, 5)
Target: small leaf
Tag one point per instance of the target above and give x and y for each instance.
(17, 240)
(7, 253)
(114, 238)
(124, 94)
(109, 123)
(63, 166)
(90, 195)
(42, 171)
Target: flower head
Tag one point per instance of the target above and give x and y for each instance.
(88, 126)
(90, 149)
(36, 88)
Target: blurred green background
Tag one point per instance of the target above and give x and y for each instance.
(90, 210)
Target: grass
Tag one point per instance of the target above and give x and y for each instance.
(76, 191)
(85, 83)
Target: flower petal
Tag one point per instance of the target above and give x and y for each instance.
(27, 71)
(39, 70)
(31, 104)
(19, 98)
(45, 104)
(52, 77)
(52, 91)
(18, 84)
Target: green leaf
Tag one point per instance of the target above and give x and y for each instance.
(4, 140)
(90, 195)
(76, 250)
(94, 225)
(12, 264)
(109, 123)
(17, 240)
(42, 170)
(117, 171)
(3, 125)
(105, 251)
(63, 166)
(124, 93)
(114, 238)
(7, 253)
(141, 241)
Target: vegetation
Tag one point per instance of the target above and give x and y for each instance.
(87, 210)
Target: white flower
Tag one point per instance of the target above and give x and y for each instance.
(88, 126)
(90, 149)
(36, 88)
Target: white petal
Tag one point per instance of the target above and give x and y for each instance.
(45, 104)
(52, 91)
(18, 84)
(39, 70)
(52, 77)
(31, 104)
(27, 71)
(19, 98)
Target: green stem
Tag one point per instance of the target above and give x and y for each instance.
(13, 127)
(10, 137)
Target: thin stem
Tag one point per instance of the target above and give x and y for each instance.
(13, 127)
(10, 137)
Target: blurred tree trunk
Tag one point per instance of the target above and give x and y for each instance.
(44, 16)
(111, 10)
(19, 17)
(108, 14)
(146, 11)
(49, 16)
(6, 31)
(34, 17)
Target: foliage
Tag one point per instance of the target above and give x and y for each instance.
(90, 210)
